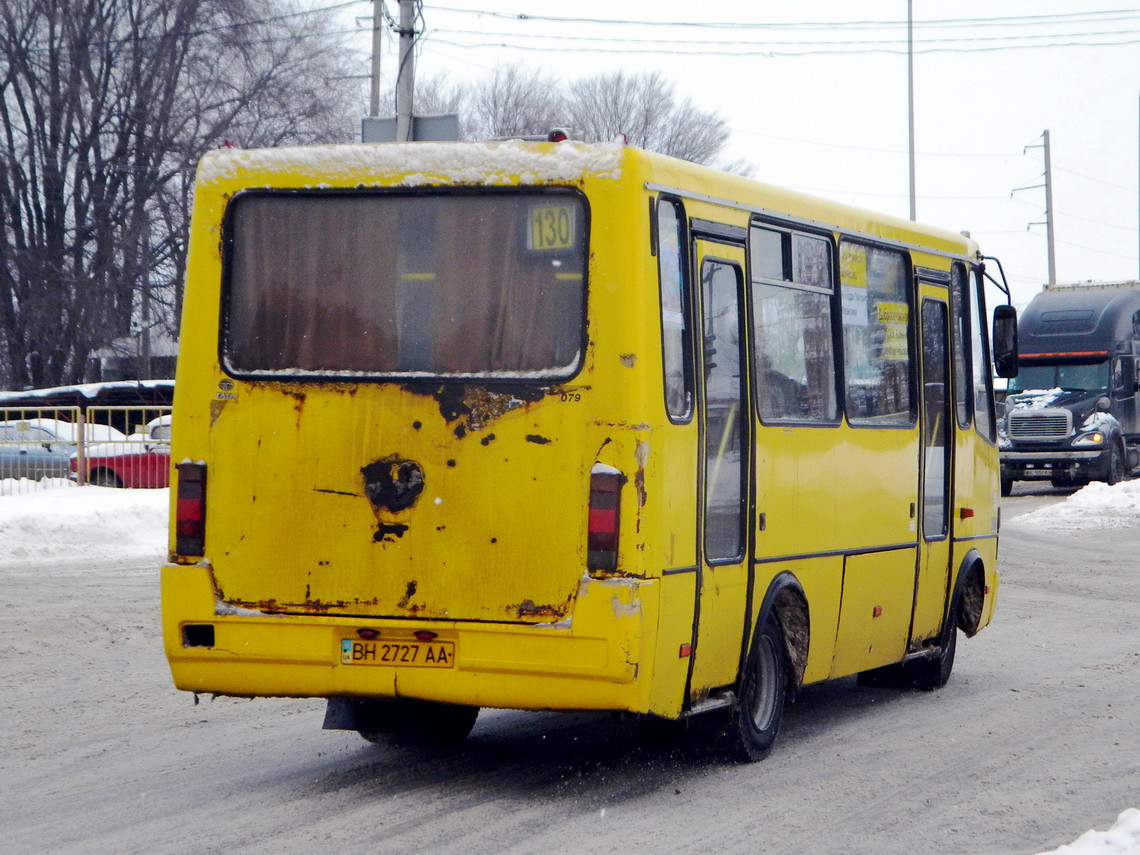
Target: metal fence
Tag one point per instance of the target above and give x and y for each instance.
(44, 447)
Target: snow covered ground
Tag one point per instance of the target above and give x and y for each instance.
(103, 524)
(98, 523)
(1122, 839)
(1095, 506)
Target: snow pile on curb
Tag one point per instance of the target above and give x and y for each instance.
(1095, 506)
(1122, 839)
(83, 522)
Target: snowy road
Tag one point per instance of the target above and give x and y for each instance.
(1033, 741)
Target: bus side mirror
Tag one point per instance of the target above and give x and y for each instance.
(1005, 341)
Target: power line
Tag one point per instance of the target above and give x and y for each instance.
(782, 43)
(1098, 222)
(1008, 20)
(1097, 180)
(1097, 251)
(772, 54)
(891, 151)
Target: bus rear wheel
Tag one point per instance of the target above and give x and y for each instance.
(757, 720)
(420, 723)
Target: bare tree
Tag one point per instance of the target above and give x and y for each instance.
(645, 109)
(517, 101)
(105, 105)
(514, 101)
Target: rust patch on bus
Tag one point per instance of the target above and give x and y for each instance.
(385, 531)
(393, 483)
(538, 439)
(409, 592)
(528, 608)
(474, 407)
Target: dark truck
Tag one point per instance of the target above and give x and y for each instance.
(1070, 416)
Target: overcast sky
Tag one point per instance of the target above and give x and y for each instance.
(816, 95)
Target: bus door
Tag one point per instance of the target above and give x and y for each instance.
(936, 428)
(725, 467)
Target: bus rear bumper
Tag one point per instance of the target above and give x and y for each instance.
(589, 662)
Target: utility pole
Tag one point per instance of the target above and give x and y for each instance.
(1049, 212)
(405, 126)
(405, 77)
(910, 94)
(377, 34)
(1048, 185)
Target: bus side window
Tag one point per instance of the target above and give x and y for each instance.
(791, 308)
(876, 300)
(960, 330)
(676, 332)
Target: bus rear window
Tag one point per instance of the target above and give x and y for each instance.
(427, 284)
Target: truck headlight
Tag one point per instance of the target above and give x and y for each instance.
(1094, 438)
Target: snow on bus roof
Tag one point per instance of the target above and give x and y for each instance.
(422, 163)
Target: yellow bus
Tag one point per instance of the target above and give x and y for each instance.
(569, 426)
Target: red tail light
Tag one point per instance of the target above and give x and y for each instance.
(190, 517)
(605, 516)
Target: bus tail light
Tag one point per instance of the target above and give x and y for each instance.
(605, 516)
(190, 514)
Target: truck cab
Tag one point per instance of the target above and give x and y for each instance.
(1071, 414)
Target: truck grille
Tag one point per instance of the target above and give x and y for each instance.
(1040, 424)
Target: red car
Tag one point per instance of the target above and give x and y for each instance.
(141, 460)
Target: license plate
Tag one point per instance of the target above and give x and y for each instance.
(400, 654)
(1036, 470)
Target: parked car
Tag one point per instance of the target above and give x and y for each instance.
(38, 448)
(139, 460)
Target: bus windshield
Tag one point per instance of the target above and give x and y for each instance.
(471, 284)
(1079, 377)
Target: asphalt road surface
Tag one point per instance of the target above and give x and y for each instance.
(1033, 741)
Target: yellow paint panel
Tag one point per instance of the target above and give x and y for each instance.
(877, 594)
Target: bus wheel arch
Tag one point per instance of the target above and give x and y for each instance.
(787, 604)
(969, 597)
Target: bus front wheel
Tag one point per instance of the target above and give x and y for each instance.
(925, 674)
(757, 721)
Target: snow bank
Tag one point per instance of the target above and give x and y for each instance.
(1095, 506)
(1122, 839)
(69, 522)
